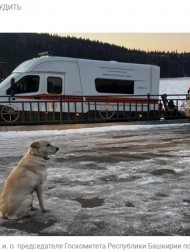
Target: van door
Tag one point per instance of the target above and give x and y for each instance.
(55, 86)
(27, 85)
(26, 88)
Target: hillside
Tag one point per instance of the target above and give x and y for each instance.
(17, 47)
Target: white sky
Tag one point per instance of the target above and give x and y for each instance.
(136, 24)
(95, 16)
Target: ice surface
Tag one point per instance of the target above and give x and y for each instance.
(114, 180)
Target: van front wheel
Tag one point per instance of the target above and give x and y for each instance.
(9, 113)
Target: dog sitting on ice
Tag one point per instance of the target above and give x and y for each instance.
(27, 177)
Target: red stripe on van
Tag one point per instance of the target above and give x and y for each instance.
(74, 98)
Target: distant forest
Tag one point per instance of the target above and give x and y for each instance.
(18, 47)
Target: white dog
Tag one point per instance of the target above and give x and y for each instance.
(28, 176)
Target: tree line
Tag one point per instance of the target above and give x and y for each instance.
(18, 47)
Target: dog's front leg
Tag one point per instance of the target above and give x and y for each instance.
(40, 198)
(31, 207)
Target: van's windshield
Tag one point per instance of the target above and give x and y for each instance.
(7, 81)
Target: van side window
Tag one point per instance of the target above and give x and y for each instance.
(27, 84)
(114, 86)
(54, 85)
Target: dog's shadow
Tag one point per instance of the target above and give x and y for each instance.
(30, 225)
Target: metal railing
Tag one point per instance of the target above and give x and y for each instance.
(19, 111)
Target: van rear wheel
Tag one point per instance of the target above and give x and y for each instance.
(9, 113)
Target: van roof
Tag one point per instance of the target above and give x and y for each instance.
(30, 65)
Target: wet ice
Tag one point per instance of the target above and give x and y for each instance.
(117, 180)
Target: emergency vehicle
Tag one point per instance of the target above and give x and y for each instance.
(48, 79)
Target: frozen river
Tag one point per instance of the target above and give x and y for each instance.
(117, 180)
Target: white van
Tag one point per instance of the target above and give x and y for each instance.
(51, 78)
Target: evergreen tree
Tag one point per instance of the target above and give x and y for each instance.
(18, 47)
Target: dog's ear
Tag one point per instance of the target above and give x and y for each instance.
(34, 145)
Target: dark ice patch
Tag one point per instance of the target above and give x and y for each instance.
(129, 204)
(160, 172)
(90, 203)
